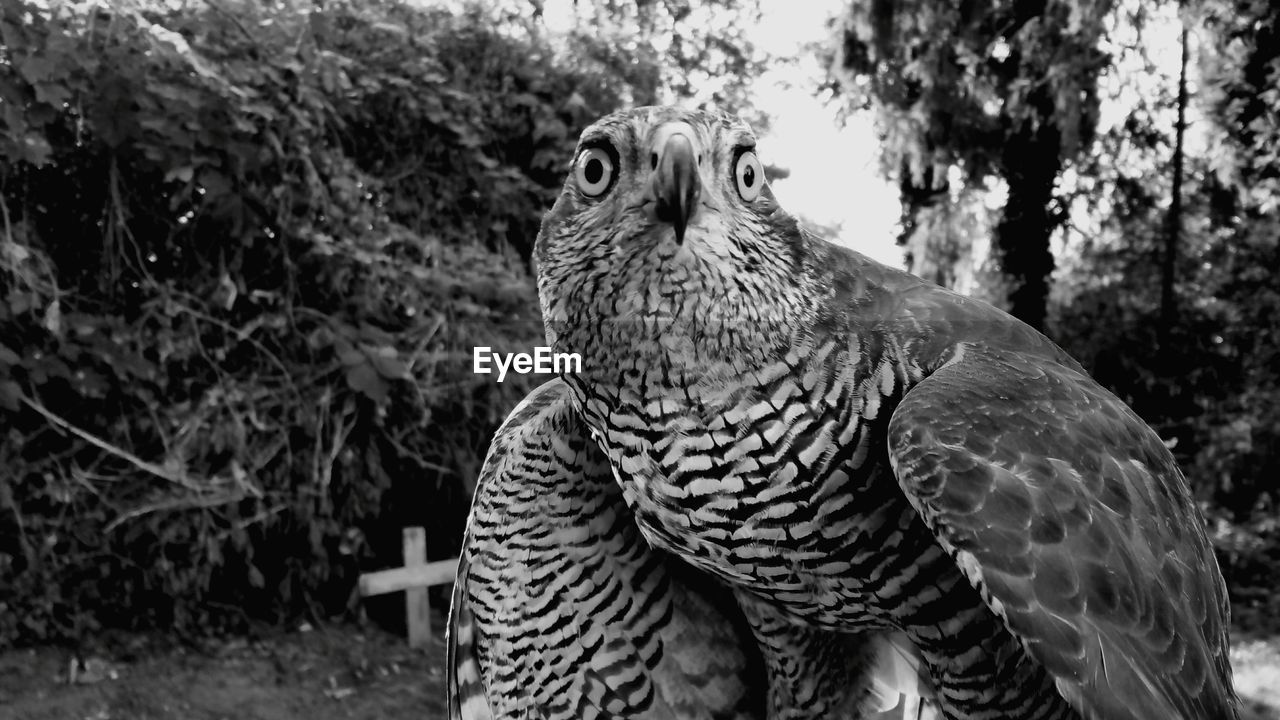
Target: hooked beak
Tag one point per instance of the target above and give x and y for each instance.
(675, 183)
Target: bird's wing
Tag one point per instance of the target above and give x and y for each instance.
(561, 610)
(1070, 516)
(464, 687)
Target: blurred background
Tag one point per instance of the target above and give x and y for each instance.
(246, 249)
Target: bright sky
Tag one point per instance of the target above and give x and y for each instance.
(834, 170)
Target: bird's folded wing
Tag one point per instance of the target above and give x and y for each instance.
(563, 611)
(1069, 515)
(464, 688)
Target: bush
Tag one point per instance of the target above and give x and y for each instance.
(1211, 389)
(245, 253)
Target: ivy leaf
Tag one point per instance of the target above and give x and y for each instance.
(53, 318)
(348, 354)
(321, 337)
(35, 149)
(365, 380)
(181, 174)
(53, 93)
(9, 395)
(388, 363)
(550, 128)
(36, 69)
(214, 183)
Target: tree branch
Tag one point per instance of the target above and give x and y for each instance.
(159, 471)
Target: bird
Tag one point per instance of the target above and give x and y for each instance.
(560, 610)
(866, 451)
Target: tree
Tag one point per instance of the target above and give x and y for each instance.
(1239, 70)
(245, 252)
(1146, 236)
(993, 88)
(1173, 230)
(700, 51)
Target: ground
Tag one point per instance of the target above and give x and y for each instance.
(332, 673)
(1256, 662)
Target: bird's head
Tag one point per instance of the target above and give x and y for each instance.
(666, 230)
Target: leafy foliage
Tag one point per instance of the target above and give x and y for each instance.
(704, 55)
(990, 89)
(961, 92)
(246, 250)
(1210, 386)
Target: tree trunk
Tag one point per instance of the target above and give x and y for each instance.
(1030, 162)
(1173, 229)
(919, 202)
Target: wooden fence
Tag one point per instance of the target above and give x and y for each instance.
(414, 578)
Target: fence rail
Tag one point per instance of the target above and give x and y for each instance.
(414, 578)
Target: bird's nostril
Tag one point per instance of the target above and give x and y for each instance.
(653, 160)
(699, 159)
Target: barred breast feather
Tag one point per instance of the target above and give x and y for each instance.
(562, 610)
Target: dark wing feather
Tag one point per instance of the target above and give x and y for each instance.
(1069, 514)
(562, 611)
(464, 686)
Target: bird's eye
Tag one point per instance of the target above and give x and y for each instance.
(748, 173)
(594, 172)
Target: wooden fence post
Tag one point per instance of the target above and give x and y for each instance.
(414, 578)
(417, 602)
